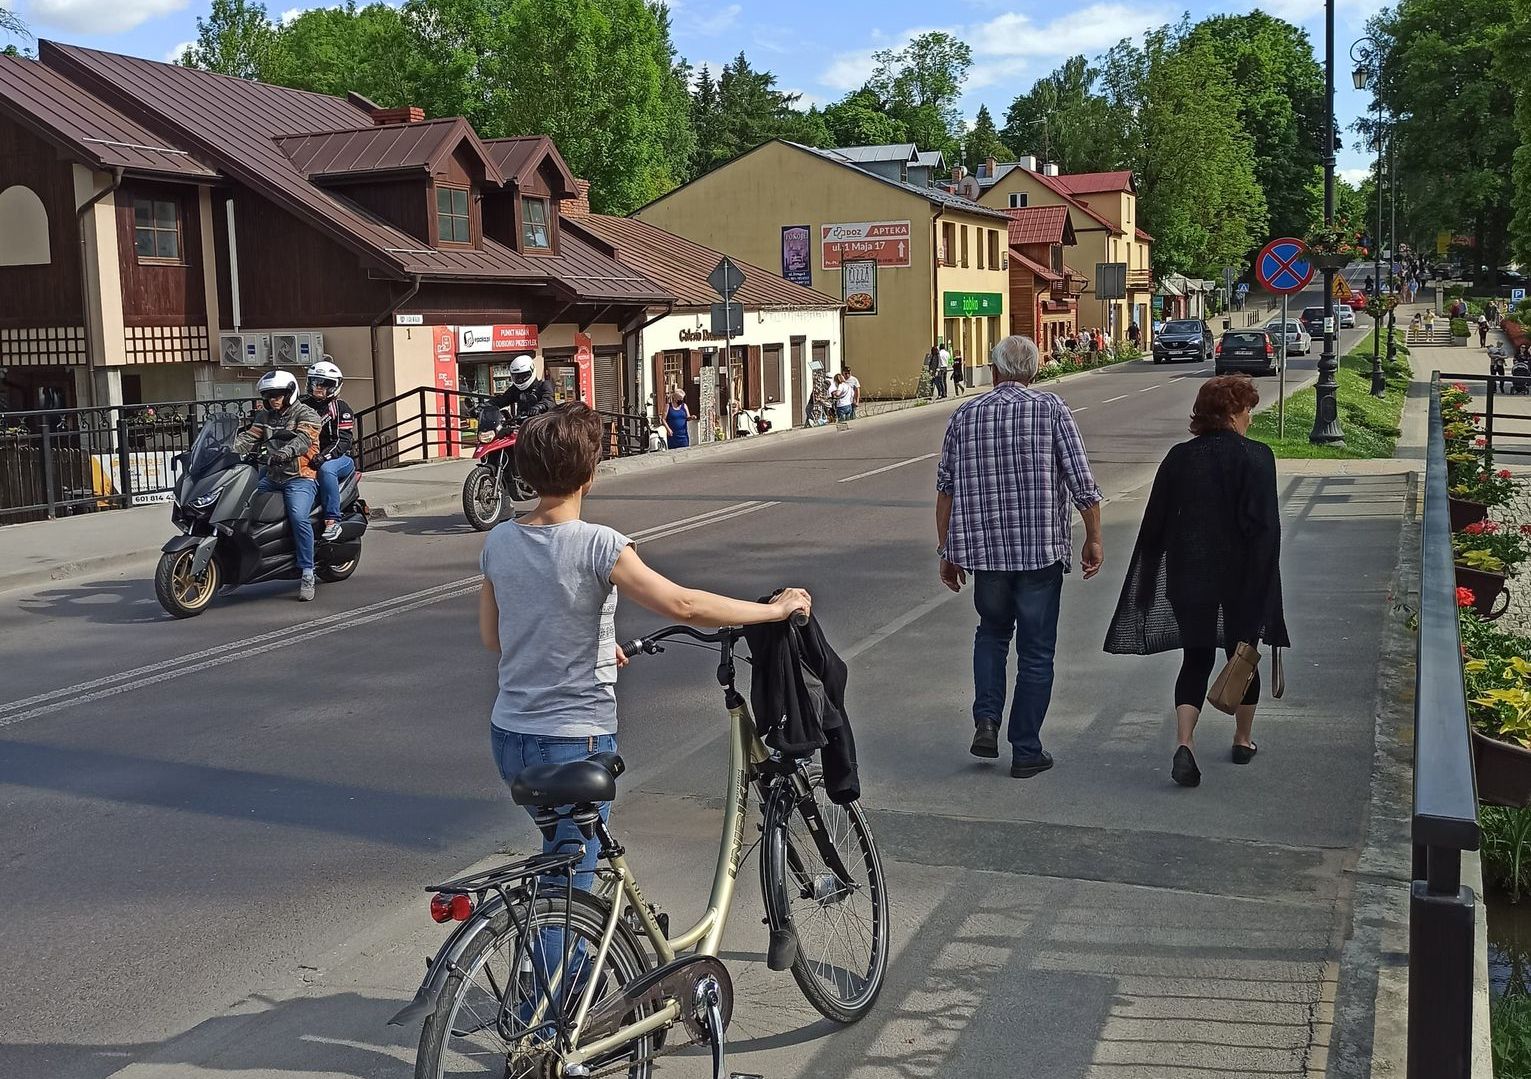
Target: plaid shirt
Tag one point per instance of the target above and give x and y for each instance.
(1007, 460)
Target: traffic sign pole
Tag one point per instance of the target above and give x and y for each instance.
(1282, 266)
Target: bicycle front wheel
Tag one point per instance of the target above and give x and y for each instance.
(823, 872)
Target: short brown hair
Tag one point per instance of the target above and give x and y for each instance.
(1219, 400)
(556, 452)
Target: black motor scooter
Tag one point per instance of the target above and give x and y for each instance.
(233, 534)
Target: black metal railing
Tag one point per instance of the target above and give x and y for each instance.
(427, 423)
(1505, 412)
(1445, 819)
(62, 461)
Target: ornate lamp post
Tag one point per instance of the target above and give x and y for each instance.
(1362, 75)
(1326, 412)
(1392, 242)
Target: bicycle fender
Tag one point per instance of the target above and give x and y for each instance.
(445, 962)
(782, 950)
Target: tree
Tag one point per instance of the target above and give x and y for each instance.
(236, 38)
(1280, 88)
(338, 50)
(12, 24)
(744, 109)
(919, 86)
(983, 142)
(858, 119)
(678, 137)
(1064, 119)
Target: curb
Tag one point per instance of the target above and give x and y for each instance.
(63, 571)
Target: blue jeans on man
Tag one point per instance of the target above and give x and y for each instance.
(298, 494)
(332, 473)
(1022, 604)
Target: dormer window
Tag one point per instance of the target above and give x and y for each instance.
(452, 216)
(156, 230)
(534, 224)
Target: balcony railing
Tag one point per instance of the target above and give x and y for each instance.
(1139, 280)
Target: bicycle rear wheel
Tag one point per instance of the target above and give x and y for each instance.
(483, 1023)
(841, 924)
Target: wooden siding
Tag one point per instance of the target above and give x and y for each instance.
(41, 296)
(402, 203)
(158, 293)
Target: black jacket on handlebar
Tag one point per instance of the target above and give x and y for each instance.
(797, 692)
(536, 398)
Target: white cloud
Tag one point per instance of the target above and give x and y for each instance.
(99, 16)
(175, 54)
(806, 100)
(716, 23)
(290, 16)
(849, 70)
(1089, 30)
(1353, 177)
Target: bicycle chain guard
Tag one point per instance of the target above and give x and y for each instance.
(673, 981)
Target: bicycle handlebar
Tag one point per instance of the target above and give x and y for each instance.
(647, 645)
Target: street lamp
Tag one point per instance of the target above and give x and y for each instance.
(1361, 75)
(1326, 410)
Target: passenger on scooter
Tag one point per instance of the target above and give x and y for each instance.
(527, 395)
(291, 431)
(337, 429)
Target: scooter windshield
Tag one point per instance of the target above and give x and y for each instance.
(213, 449)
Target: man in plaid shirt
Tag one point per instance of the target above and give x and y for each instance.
(1012, 466)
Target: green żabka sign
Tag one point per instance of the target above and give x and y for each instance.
(971, 304)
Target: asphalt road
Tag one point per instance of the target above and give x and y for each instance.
(204, 817)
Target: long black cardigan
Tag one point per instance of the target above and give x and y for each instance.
(1206, 569)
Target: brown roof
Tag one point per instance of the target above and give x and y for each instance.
(1143, 237)
(236, 123)
(1057, 187)
(518, 158)
(1093, 183)
(682, 265)
(1039, 224)
(387, 148)
(87, 129)
(1036, 267)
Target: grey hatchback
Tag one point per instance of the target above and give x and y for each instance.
(1249, 351)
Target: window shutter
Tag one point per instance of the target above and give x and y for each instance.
(693, 377)
(658, 387)
(608, 383)
(752, 398)
(770, 375)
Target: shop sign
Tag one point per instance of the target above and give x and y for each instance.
(409, 320)
(858, 284)
(147, 470)
(584, 362)
(795, 257)
(444, 376)
(972, 304)
(884, 242)
(700, 333)
(513, 337)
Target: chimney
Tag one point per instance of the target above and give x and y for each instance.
(1050, 170)
(958, 172)
(579, 205)
(990, 165)
(407, 114)
(1027, 162)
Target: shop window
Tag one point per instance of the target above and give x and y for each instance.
(534, 224)
(23, 228)
(453, 220)
(157, 230)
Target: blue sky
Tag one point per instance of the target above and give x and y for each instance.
(818, 47)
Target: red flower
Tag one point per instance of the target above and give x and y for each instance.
(1474, 529)
(1480, 442)
(1525, 530)
(1465, 597)
(1503, 473)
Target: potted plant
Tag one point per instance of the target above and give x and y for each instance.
(1333, 247)
(1474, 489)
(1497, 673)
(1487, 554)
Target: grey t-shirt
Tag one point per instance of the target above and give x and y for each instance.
(558, 643)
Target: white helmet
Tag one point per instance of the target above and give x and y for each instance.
(522, 370)
(277, 384)
(325, 373)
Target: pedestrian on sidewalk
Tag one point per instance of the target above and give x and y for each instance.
(932, 365)
(1206, 572)
(1482, 331)
(677, 421)
(957, 374)
(855, 389)
(1012, 467)
(943, 363)
(845, 398)
(1430, 322)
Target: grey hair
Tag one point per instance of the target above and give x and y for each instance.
(1016, 359)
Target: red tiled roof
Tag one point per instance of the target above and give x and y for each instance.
(682, 265)
(1143, 237)
(88, 129)
(1054, 184)
(1037, 224)
(388, 148)
(1092, 183)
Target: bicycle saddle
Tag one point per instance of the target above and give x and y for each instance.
(550, 785)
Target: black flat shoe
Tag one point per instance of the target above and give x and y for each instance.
(1184, 770)
(1244, 754)
(1035, 766)
(985, 740)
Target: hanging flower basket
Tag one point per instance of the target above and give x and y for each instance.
(1331, 260)
(1465, 512)
(1486, 589)
(1504, 772)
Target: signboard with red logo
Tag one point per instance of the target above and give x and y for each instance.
(883, 242)
(512, 337)
(584, 362)
(444, 377)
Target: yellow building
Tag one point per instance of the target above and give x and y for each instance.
(1103, 208)
(913, 264)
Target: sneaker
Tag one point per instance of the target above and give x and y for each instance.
(1025, 769)
(306, 588)
(331, 532)
(985, 739)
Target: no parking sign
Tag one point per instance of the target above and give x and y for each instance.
(1282, 265)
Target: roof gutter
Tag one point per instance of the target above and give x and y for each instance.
(377, 393)
(80, 215)
(935, 292)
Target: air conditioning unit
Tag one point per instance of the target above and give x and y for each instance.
(244, 349)
(297, 348)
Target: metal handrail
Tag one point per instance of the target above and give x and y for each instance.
(1494, 421)
(1445, 812)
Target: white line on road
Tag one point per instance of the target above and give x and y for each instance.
(1108, 400)
(1155, 386)
(887, 468)
(1082, 408)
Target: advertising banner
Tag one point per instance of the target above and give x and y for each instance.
(796, 259)
(858, 286)
(444, 377)
(972, 304)
(884, 242)
(148, 472)
(584, 362)
(513, 337)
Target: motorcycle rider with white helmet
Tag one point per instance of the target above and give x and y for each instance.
(290, 429)
(337, 431)
(527, 395)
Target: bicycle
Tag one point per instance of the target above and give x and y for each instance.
(543, 980)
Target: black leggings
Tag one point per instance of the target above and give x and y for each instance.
(1196, 674)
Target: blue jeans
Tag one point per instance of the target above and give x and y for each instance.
(843, 412)
(513, 752)
(298, 496)
(332, 474)
(1023, 604)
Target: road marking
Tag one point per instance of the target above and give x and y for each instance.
(95, 689)
(1108, 400)
(888, 468)
(1155, 386)
(1082, 408)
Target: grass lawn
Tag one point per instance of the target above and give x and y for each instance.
(1370, 423)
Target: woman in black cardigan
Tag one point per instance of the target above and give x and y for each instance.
(1206, 569)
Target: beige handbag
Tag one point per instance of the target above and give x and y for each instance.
(1232, 682)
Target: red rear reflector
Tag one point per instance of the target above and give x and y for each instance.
(451, 908)
(1269, 348)
(441, 908)
(462, 908)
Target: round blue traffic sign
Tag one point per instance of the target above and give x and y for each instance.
(1282, 265)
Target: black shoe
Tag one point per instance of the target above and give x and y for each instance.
(1184, 770)
(985, 740)
(1244, 754)
(1034, 766)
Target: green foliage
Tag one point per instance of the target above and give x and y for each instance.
(858, 119)
(983, 142)
(1065, 362)
(1064, 119)
(919, 85)
(1506, 851)
(237, 38)
(370, 50)
(1370, 423)
(1510, 1035)
(743, 109)
(1459, 327)
(1497, 670)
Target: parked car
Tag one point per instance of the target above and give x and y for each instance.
(1298, 341)
(1183, 339)
(1249, 351)
(1313, 321)
(1346, 314)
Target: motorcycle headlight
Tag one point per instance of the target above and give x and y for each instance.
(204, 501)
(485, 435)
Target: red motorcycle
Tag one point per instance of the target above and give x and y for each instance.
(494, 486)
